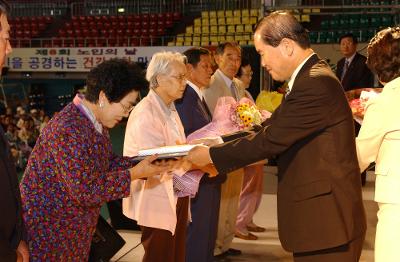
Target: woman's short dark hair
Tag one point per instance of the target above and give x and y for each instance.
(245, 62)
(384, 54)
(116, 78)
(194, 54)
(282, 24)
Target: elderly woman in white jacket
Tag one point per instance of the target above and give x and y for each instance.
(379, 141)
(156, 203)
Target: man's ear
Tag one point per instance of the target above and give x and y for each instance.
(189, 68)
(287, 47)
(217, 58)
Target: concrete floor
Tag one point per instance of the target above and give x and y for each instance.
(267, 247)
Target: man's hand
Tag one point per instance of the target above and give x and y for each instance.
(200, 156)
(208, 141)
(23, 252)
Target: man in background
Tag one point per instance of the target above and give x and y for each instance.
(353, 73)
(12, 247)
(228, 57)
(352, 70)
(194, 114)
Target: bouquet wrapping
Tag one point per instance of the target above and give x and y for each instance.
(358, 99)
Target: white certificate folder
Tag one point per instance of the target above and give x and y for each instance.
(165, 151)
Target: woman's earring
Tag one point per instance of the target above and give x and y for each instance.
(101, 105)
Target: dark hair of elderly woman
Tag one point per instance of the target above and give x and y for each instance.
(72, 170)
(384, 54)
(127, 76)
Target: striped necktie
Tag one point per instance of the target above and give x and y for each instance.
(234, 91)
(345, 67)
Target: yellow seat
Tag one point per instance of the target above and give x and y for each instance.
(230, 21)
(245, 20)
(228, 13)
(245, 12)
(221, 20)
(196, 38)
(253, 20)
(214, 43)
(197, 22)
(204, 14)
(305, 18)
(220, 13)
(189, 30)
(171, 43)
(221, 29)
(237, 21)
(213, 21)
(213, 29)
(205, 21)
(205, 39)
(239, 29)
(254, 12)
(230, 37)
(242, 42)
(179, 39)
(205, 29)
(212, 14)
(179, 43)
(214, 38)
(250, 42)
(231, 29)
(196, 43)
(237, 13)
(197, 30)
(247, 36)
(188, 38)
(238, 37)
(205, 43)
(248, 28)
(221, 38)
(187, 43)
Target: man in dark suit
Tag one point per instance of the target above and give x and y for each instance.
(194, 114)
(353, 73)
(320, 210)
(12, 247)
(352, 69)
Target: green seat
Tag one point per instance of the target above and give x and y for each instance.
(375, 21)
(334, 23)
(354, 21)
(325, 24)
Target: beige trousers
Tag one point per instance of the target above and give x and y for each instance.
(228, 210)
(387, 239)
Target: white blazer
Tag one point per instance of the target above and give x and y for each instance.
(152, 202)
(379, 141)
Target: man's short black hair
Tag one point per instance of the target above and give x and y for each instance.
(194, 54)
(349, 35)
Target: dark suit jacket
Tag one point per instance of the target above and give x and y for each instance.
(194, 115)
(11, 226)
(312, 134)
(357, 75)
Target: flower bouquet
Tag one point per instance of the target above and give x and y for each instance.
(358, 99)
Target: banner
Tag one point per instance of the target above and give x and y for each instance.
(78, 59)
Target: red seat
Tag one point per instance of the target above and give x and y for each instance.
(42, 26)
(80, 42)
(129, 18)
(101, 42)
(48, 19)
(169, 23)
(111, 42)
(160, 16)
(90, 18)
(78, 33)
(93, 32)
(62, 33)
(121, 18)
(160, 31)
(145, 17)
(177, 16)
(145, 24)
(137, 18)
(134, 41)
(153, 17)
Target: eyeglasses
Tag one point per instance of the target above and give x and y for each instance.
(126, 109)
(180, 77)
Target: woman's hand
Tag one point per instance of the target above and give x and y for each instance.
(149, 167)
(22, 252)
